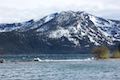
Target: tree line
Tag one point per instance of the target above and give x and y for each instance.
(103, 52)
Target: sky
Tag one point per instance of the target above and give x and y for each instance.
(23, 10)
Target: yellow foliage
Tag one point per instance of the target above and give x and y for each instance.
(101, 52)
(116, 54)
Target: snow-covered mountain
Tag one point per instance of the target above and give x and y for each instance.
(64, 31)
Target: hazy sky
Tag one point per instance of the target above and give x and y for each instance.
(22, 10)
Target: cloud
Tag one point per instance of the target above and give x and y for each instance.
(22, 10)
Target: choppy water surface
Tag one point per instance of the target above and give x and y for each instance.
(61, 70)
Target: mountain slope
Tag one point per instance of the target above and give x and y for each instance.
(65, 32)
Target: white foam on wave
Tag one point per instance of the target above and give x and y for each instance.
(64, 60)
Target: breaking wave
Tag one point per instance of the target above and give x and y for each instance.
(63, 60)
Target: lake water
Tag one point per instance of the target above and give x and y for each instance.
(64, 69)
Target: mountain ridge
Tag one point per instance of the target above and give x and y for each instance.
(59, 32)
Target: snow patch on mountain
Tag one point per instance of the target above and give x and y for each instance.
(92, 40)
(48, 18)
(61, 32)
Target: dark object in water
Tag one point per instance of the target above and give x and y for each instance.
(37, 59)
(2, 61)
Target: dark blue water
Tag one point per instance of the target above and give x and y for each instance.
(58, 67)
(61, 70)
(15, 58)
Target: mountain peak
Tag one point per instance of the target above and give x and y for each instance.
(65, 29)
